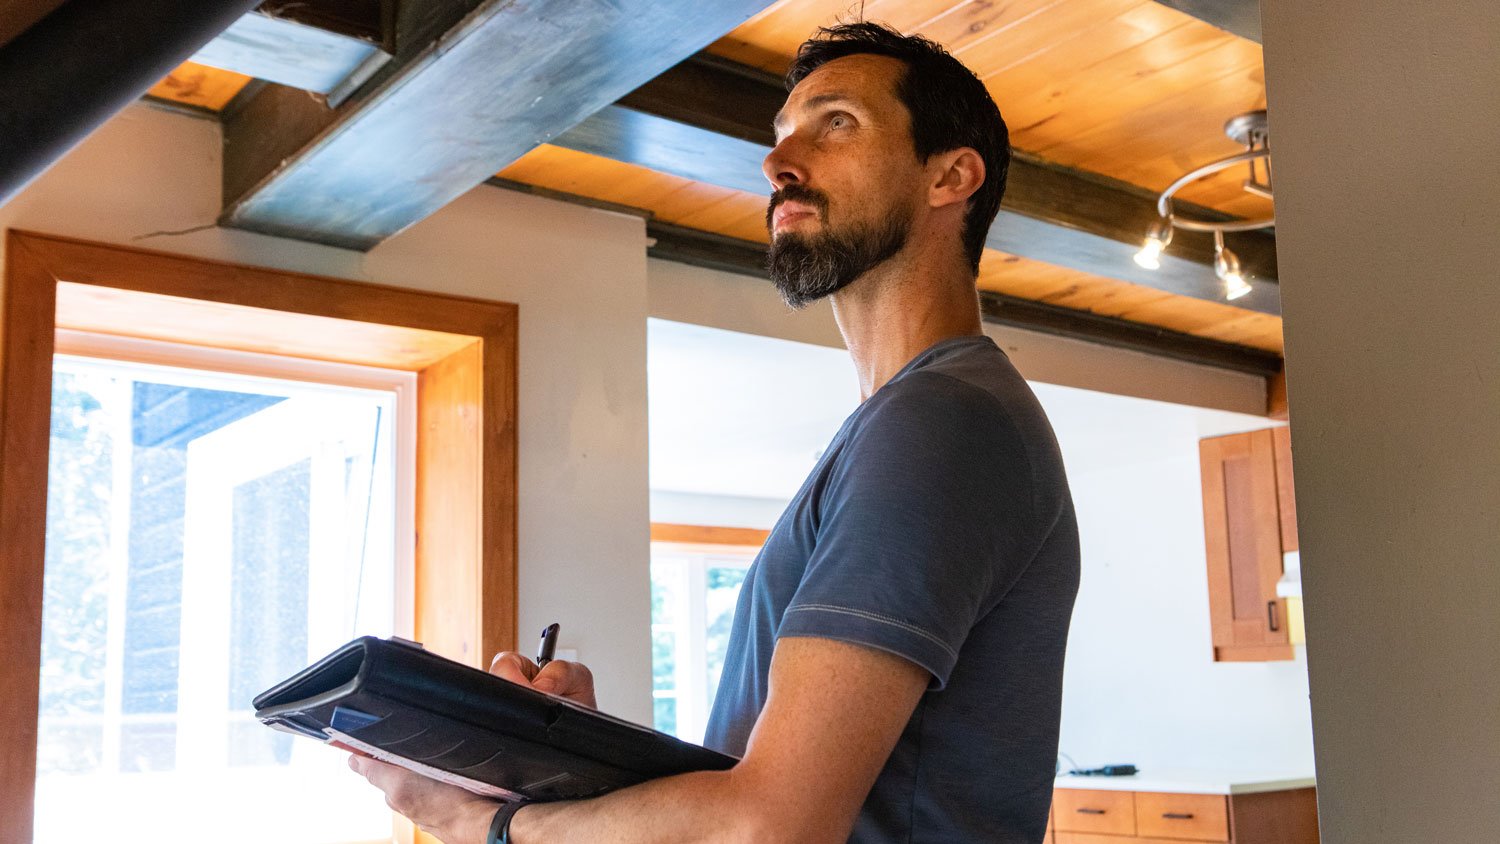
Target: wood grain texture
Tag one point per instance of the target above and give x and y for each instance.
(1286, 492)
(1194, 817)
(178, 319)
(708, 535)
(1276, 403)
(1128, 88)
(1275, 817)
(1242, 546)
(450, 481)
(742, 215)
(1097, 811)
(467, 441)
(25, 422)
(200, 86)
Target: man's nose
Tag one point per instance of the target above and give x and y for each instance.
(783, 165)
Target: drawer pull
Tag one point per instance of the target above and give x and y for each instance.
(1177, 816)
(1090, 811)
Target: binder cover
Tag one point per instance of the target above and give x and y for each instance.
(395, 701)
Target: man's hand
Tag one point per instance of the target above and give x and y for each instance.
(570, 680)
(451, 814)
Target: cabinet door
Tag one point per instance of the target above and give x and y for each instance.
(1242, 535)
(1286, 496)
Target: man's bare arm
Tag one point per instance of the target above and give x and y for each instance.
(833, 714)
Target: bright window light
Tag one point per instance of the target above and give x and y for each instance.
(207, 535)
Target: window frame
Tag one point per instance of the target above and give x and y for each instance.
(697, 547)
(463, 351)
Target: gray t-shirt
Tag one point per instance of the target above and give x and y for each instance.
(937, 526)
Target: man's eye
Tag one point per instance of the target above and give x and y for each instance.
(838, 121)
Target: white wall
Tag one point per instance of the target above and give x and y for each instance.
(579, 277)
(1385, 116)
(1140, 685)
(739, 303)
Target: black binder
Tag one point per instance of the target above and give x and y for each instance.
(395, 701)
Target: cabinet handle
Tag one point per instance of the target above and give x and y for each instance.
(1090, 811)
(1177, 816)
(1271, 611)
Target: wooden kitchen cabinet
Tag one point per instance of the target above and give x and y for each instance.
(1081, 816)
(1245, 531)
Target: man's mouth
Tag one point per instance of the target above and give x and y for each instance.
(790, 211)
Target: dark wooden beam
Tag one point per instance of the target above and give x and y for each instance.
(84, 61)
(710, 120)
(1241, 17)
(444, 116)
(703, 249)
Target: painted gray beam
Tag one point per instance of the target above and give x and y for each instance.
(510, 75)
(727, 254)
(292, 53)
(709, 120)
(1240, 17)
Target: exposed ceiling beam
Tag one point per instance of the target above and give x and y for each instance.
(1240, 17)
(288, 51)
(84, 61)
(704, 249)
(710, 120)
(460, 101)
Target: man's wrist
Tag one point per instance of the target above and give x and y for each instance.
(500, 830)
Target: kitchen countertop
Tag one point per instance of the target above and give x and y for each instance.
(1188, 781)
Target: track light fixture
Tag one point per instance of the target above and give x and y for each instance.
(1157, 238)
(1250, 129)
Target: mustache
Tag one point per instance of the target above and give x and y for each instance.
(797, 192)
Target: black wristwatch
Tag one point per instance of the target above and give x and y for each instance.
(500, 826)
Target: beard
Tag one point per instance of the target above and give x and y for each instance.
(806, 268)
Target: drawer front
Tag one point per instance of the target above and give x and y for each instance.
(1193, 817)
(1108, 812)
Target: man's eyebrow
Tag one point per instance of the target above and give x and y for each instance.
(813, 102)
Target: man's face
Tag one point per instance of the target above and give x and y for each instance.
(845, 175)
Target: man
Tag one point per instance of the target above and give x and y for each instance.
(895, 669)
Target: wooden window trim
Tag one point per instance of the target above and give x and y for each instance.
(706, 535)
(463, 351)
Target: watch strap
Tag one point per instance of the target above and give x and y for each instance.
(500, 826)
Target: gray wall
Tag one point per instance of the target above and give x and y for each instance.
(1385, 117)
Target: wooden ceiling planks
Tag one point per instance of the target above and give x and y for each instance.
(199, 86)
(1128, 88)
(742, 215)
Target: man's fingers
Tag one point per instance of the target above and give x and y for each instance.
(563, 678)
(511, 666)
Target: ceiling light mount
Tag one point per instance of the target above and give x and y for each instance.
(1251, 130)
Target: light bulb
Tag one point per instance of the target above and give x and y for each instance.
(1235, 286)
(1157, 238)
(1227, 267)
(1149, 256)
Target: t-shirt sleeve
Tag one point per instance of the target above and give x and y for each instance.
(926, 521)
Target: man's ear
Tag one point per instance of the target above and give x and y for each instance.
(956, 176)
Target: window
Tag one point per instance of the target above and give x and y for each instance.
(696, 574)
(208, 534)
(277, 479)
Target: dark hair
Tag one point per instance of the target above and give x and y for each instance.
(949, 107)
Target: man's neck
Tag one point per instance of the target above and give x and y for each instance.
(901, 308)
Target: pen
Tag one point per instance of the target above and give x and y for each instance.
(548, 645)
